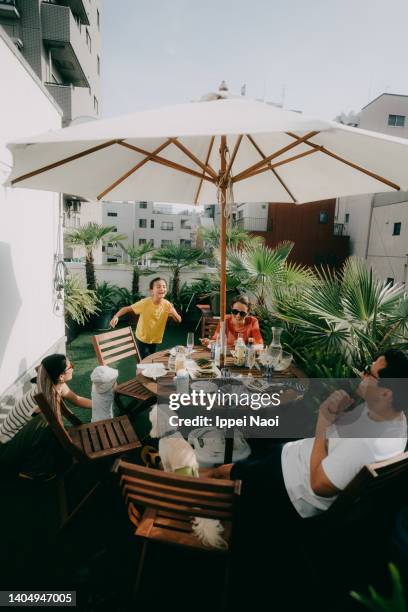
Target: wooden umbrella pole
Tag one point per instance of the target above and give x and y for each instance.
(223, 232)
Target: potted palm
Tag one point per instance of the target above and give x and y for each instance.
(89, 237)
(176, 258)
(106, 296)
(80, 304)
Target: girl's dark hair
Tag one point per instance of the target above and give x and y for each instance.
(158, 278)
(55, 365)
(242, 299)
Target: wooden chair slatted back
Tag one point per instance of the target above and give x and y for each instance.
(181, 495)
(208, 326)
(378, 482)
(53, 408)
(115, 345)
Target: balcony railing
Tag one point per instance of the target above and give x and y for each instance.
(252, 224)
(63, 38)
(8, 8)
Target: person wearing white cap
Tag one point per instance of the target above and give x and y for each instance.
(103, 388)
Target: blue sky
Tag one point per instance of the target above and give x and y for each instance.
(320, 56)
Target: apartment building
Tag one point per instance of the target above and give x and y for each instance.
(61, 41)
(145, 222)
(378, 223)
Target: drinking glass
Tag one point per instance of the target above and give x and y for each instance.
(190, 342)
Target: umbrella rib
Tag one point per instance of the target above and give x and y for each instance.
(244, 174)
(206, 167)
(66, 160)
(202, 177)
(234, 154)
(166, 162)
(257, 148)
(373, 175)
(281, 163)
(134, 169)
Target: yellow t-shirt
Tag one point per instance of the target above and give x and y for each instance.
(152, 320)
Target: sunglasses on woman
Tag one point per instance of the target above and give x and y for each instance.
(240, 313)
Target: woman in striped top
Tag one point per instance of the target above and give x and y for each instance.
(26, 442)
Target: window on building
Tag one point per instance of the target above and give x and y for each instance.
(114, 229)
(390, 281)
(185, 242)
(103, 248)
(112, 259)
(263, 206)
(98, 64)
(96, 105)
(142, 223)
(167, 225)
(396, 229)
(142, 204)
(346, 217)
(152, 223)
(323, 216)
(396, 120)
(165, 243)
(142, 241)
(98, 19)
(88, 40)
(112, 214)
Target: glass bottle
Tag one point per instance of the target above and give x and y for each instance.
(250, 357)
(240, 351)
(275, 347)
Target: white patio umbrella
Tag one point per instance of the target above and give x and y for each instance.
(211, 150)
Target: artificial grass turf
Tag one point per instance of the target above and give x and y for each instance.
(82, 355)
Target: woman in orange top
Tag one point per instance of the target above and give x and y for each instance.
(239, 322)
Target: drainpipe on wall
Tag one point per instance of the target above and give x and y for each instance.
(370, 219)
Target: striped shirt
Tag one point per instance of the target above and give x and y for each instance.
(19, 415)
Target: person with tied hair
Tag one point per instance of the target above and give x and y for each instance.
(27, 444)
(153, 313)
(239, 322)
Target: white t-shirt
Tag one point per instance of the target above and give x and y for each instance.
(346, 456)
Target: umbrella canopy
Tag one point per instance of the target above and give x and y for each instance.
(272, 155)
(204, 151)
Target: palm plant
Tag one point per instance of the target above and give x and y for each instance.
(378, 603)
(176, 258)
(136, 256)
(347, 316)
(89, 236)
(260, 268)
(236, 237)
(79, 302)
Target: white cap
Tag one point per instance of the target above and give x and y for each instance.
(103, 378)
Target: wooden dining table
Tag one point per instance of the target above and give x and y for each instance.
(235, 371)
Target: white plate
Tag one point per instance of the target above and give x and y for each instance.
(204, 385)
(154, 372)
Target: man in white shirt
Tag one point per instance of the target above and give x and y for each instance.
(307, 475)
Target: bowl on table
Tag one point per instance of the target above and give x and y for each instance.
(284, 362)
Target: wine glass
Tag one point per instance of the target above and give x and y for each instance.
(190, 342)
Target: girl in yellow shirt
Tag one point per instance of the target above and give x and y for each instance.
(153, 313)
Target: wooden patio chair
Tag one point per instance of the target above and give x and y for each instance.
(117, 345)
(161, 504)
(208, 326)
(356, 520)
(87, 443)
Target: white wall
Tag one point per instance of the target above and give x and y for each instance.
(388, 254)
(358, 208)
(121, 274)
(375, 115)
(28, 230)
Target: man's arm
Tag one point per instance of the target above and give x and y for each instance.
(328, 412)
